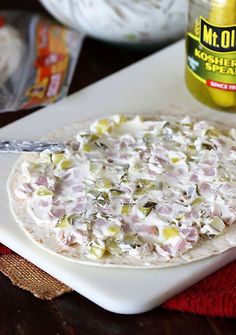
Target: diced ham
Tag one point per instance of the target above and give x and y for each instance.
(152, 230)
(77, 188)
(162, 252)
(144, 155)
(107, 210)
(56, 202)
(204, 188)
(167, 249)
(81, 236)
(67, 176)
(44, 203)
(42, 180)
(191, 233)
(216, 211)
(70, 239)
(164, 210)
(134, 218)
(100, 222)
(57, 212)
(124, 156)
(152, 173)
(209, 172)
(229, 217)
(126, 228)
(24, 190)
(222, 142)
(181, 246)
(182, 172)
(80, 204)
(194, 178)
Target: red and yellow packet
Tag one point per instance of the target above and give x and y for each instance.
(48, 63)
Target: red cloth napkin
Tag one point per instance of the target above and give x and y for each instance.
(213, 296)
(4, 250)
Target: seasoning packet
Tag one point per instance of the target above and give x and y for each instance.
(37, 60)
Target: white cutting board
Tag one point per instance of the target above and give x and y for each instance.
(154, 84)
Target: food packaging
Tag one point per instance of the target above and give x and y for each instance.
(37, 60)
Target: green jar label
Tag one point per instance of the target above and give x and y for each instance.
(211, 55)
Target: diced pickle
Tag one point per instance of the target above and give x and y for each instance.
(126, 209)
(107, 183)
(115, 192)
(93, 137)
(112, 246)
(119, 119)
(103, 183)
(213, 132)
(208, 146)
(113, 230)
(73, 218)
(222, 13)
(150, 204)
(103, 126)
(87, 147)
(145, 210)
(140, 191)
(43, 191)
(191, 147)
(169, 232)
(197, 201)
(132, 240)
(66, 221)
(217, 224)
(101, 145)
(66, 164)
(147, 137)
(94, 167)
(63, 222)
(174, 160)
(145, 185)
(96, 250)
(57, 158)
(149, 184)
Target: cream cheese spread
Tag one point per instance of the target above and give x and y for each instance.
(136, 187)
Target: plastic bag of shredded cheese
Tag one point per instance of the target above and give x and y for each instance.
(37, 60)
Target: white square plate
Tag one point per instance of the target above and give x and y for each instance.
(153, 85)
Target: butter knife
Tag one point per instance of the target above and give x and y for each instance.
(12, 146)
(8, 146)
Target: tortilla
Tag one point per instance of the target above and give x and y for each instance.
(45, 236)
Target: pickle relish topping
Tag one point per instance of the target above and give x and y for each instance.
(135, 187)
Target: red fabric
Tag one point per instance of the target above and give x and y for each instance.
(213, 296)
(4, 250)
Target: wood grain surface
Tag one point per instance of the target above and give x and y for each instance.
(23, 314)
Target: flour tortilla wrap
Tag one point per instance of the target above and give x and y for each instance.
(45, 237)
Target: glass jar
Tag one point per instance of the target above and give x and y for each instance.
(211, 52)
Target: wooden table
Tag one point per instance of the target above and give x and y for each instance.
(22, 313)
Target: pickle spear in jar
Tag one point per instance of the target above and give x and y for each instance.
(223, 15)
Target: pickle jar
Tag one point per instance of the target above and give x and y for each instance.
(211, 52)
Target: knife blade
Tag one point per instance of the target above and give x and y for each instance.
(13, 146)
